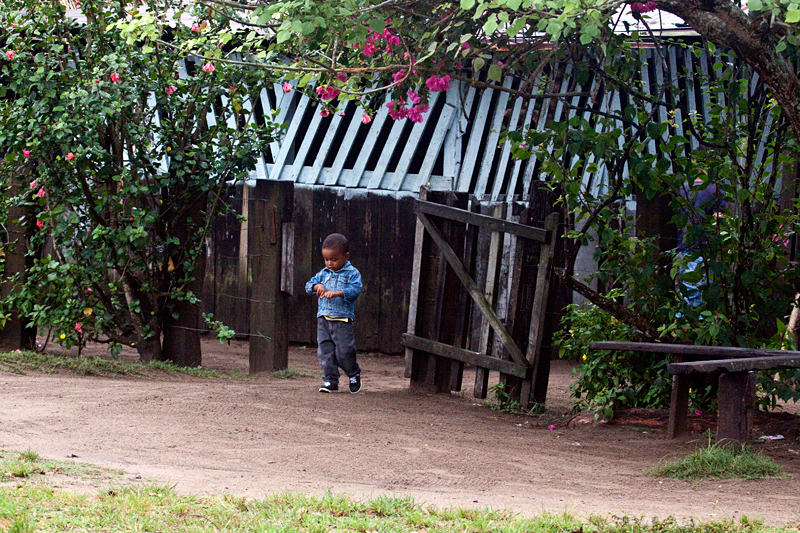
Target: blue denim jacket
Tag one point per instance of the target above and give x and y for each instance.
(348, 280)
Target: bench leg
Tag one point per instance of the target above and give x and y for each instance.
(678, 406)
(736, 403)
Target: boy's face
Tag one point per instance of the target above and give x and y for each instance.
(335, 259)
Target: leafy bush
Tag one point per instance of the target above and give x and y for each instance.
(607, 380)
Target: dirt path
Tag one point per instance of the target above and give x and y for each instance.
(266, 435)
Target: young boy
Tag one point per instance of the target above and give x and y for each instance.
(337, 286)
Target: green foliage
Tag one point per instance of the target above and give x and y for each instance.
(120, 155)
(607, 380)
(720, 461)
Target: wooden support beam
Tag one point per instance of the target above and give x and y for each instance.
(720, 352)
(736, 403)
(535, 358)
(270, 206)
(466, 356)
(492, 223)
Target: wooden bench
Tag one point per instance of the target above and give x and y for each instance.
(737, 380)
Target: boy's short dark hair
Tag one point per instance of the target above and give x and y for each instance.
(336, 241)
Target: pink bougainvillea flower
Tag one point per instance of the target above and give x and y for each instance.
(366, 119)
(114, 77)
(78, 327)
(287, 87)
(341, 76)
(500, 63)
(698, 412)
(414, 97)
(10, 54)
(208, 67)
(551, 427)
(640, 7)
(39, 224)
(40, 194)
(342, 114)
(26, 153)
(438, 84)
(465, 46)
(32, 184)
(171, 89)
(196, 27)
(324, 113)
(398, 76)
(327, 92)
(70, 156)
(369, 49)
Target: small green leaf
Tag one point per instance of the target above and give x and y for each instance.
(467, 4)
(793, 16)
(495, 72)
(478, 63)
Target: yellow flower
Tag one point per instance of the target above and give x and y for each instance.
(690, 391)
(87, 311)
(63, 336)
(169, 148)
(584, 357)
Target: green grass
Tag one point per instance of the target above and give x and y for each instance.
(720, 461)
(27, 505)
(27, 361)
(41, 509)
(293, 373)
(29, 466)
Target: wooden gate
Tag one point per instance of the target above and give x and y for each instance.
(444, 282)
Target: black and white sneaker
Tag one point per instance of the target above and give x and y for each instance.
(355, 383)
(330, 387)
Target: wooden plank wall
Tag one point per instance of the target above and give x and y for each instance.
(380, 229)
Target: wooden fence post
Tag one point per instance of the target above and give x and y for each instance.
(270, 205)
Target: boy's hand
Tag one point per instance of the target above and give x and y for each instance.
(333, 294)
(320, 289)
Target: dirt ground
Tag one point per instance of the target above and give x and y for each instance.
(265, 435)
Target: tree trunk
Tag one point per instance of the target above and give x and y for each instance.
(181, 335)
(754, 39)
(16, 335)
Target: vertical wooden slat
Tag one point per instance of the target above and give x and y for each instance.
(365, 151)
(443, 127)
(492, 269)
(287, 145)
(344, 150)
(490, 148)
(388, 150)
(539, 361)
(499, 180)
(460, 98)
(323, 149)
(413, 304)
(473, 145)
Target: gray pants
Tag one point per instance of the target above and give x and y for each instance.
(336, 347)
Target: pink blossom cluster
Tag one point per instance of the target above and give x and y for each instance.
(208, 68)
(327, 92)
(399, 111)
(171, 89)
(639, 7)
(10, 54)
(114, 77)
(438, 84)
(375, 41)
